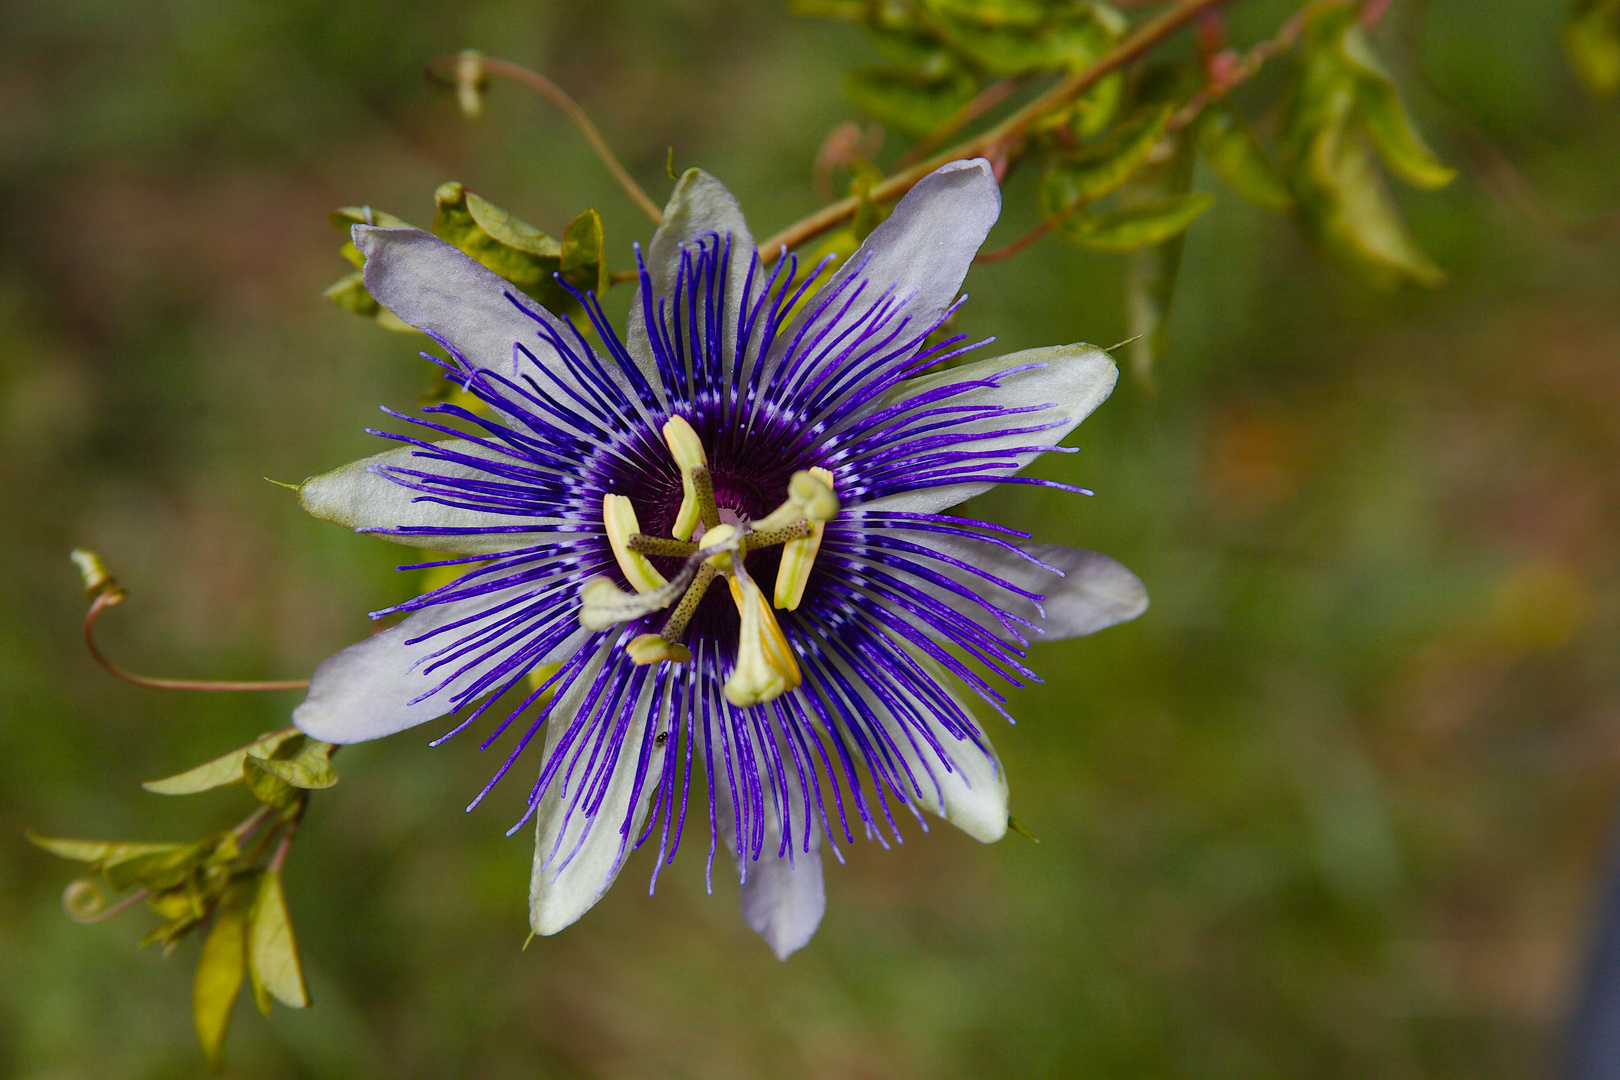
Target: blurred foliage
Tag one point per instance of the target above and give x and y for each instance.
(1592, 39)
(1336, 805)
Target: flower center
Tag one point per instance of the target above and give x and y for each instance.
(709, 548)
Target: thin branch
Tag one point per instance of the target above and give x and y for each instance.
(1022, 242)
(1140, 41)
(108, 599)
(983, 102)
(559, 97)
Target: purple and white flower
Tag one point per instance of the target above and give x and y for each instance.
(790, 444)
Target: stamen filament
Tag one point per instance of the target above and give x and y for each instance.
(661, 545)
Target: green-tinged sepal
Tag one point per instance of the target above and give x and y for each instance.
(223, 770)
(1236, 156)
(1592, 43)
(272, 952)
(1136, 226)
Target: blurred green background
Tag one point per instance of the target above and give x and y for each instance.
(1336, 806)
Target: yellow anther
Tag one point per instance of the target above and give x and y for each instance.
(766, 668)
(810, 498)
(799, 556)
(687, 450)
(812, 491)
(652, 649)
(619, 521)
(715, 537)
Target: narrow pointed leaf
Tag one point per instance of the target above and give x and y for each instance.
(272, 952)
(95, 851)
(907, 101)
(1236, 156)
(1592, 43)
(1388, 123)
(1096, 171)
(221, 970)
(1136, 226)
(223, 770)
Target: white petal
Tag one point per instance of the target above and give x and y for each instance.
(699, 206)
(435, 288)
(561, 891)
(972, 792)
(1095, 592)
(356, 497)
(921, 252)
(783, 898)
(1072, 379)
(370, 689)
(783, 902)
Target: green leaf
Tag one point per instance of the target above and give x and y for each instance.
(864, 176)
(584, 254)
(94, 851)
(907, 101)
(310, 767)
(221, 970)
(1152, 271)
(1386, 118)
(349, 292)
(1326, 156)
(503, 243)
(267, 787)
(1071, 39)
(223, 770)
(1095, 171)
(1592, 43)
(155, 870)
(1094, 110)
(272, 952)
(1236, 156)
(1136, 226)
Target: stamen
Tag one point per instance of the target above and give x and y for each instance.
(799, 556)
(810, 497)
(675, 625)
(697, 499)
(603, 604)
(766, 668)
(653, 649)
(619, 521)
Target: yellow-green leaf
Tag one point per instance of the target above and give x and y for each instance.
(272, 952)
(583, 261)
(503, 243)
(1236, 156)
(1592, 43)
(221, 969)
(1093, 172)
(94, 851)
(155, 870)
(310, 767)
(1136, 226)
(223, 770)
(267, 787)
(1385, 115)
(908, 101)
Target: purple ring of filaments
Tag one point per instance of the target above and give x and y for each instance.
(767, 397)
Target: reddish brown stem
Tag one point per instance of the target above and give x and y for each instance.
(108, 599)
(559, 97)
(987, 99)
(1133, 46)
